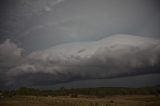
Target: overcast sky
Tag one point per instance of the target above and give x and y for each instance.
(48, 42)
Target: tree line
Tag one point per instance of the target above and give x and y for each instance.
(97, 92)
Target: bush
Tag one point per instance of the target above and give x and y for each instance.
(74, 95)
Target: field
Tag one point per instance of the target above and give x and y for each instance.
(140, 100)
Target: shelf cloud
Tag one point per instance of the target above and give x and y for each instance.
(111, 57)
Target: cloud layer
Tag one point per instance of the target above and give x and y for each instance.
(44, 23)
(114, 56)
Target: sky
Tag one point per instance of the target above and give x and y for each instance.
(79, 43)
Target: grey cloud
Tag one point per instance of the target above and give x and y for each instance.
(10, 56)
(9, 52)
(114, 56)
(53, 22)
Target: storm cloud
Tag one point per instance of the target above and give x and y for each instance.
(40, 24)
(49, 42)
(114, 56)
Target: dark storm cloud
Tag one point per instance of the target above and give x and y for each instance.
(9, 52)
(54, 22)
(115, 56)
(51, 27)
(10, 56)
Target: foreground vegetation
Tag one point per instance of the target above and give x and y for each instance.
(103, 96)
(148, 100)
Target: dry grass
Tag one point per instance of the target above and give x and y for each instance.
(67, 101)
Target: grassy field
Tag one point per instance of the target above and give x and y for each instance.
(81, 101)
